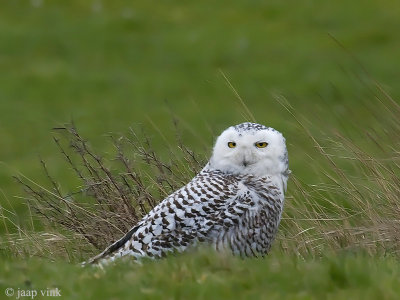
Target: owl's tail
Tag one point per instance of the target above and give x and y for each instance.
(110, 250)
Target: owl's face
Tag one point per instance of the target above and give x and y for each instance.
(250, 148)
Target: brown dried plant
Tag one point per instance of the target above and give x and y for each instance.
(114, 193)
(357, 204)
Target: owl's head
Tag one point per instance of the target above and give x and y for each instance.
(251, 148)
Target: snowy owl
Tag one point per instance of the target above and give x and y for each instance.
(234, 203)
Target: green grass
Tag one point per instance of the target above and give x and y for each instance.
(109, 66)
(205, 275)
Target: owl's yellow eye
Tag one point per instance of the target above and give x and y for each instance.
(261, 144)
(231, 144)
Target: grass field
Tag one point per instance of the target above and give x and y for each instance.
(207, 276)
(111, 66)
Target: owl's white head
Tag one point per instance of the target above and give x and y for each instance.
(251, 149)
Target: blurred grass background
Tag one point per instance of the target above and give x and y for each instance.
(112, 65)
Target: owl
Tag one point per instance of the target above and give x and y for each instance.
(233, 204)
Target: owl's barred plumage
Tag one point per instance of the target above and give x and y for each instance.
(234, 203)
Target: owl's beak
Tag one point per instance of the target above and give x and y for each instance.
(246, 159)
(246, 163)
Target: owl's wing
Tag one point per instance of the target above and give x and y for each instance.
(179, 221)
(217, 210)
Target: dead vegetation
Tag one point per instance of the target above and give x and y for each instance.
(114, 194)
(357, 206)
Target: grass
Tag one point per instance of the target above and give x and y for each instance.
(208, 276)
(111, 66)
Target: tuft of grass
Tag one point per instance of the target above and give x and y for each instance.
(356, 206)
